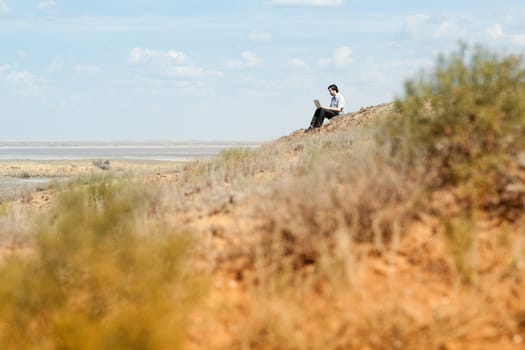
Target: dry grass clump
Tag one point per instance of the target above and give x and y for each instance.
(212, 186)
(235, 166)
(340, 199)
(99, 277)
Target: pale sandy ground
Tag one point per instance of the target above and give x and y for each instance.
(30, 181)
(28, 186)
(61, 168)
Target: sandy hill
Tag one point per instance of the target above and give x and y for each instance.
(316, 241)
(324, 255)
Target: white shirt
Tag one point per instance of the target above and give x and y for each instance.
(338, 101)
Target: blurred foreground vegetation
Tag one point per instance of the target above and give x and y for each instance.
(98, 277)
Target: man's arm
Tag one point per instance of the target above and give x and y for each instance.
(335, 109)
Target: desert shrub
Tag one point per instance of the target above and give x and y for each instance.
(102, 164)
(97, 279)
(465, 120)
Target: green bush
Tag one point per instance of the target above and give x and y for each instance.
(465, 120)
(97, 278)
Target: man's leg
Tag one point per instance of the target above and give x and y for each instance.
(314, 122)
(324, 113)
(330, 114)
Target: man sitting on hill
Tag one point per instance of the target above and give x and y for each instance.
(337, 104)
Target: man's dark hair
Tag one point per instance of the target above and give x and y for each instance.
(333, 87)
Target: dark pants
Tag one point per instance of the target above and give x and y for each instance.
(319, 115)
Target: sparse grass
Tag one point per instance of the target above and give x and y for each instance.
(344, 199)
(96, 279)
(235, 155)
(15, 226)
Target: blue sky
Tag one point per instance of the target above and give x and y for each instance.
(220, 70)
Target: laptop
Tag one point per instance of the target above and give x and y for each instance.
(317, 104)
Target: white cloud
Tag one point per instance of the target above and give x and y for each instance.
(519, 39)
(4, 8)
(495, 32)
(374, 75)
(48, 6)
(192, 71)
(4, 68)
(445, 29)
(21, 54)
(172, 64)
(342, 57)
(260, 36)
(424, 27)
(516, 17)
(299, 63)
(389, 73)
(324, 62)
(19, 81)
(249, 60)
(307, 3)
(22, 79)
(508, 19)
(414, 24)
(139, 55)
(86, 69)
(177, 56)
(257, 82)
(55, 65)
